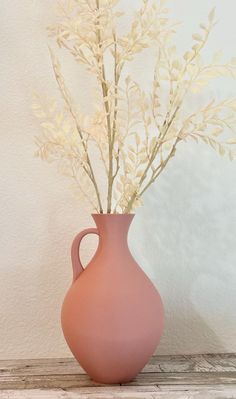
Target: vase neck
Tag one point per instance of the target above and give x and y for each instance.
(113, 227)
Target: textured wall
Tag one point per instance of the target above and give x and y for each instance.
(184, 236)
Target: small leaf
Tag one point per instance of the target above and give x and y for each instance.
(152, 144)
(197, 37)
(119, 14)
(188, 55)
(131, 156)
(217, 57)
(139, 173)
(231, 155)
(176, 64)
(171, 50)
(221, 150)
(128, 80)
(137, 139)
(217, 131)
(128, 167)
(47, 125)
(203, 26)
(131, 148)
(231, 141)
(196, 47)
(211, 15)
(233, 60)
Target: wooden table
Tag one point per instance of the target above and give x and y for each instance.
(172, 377)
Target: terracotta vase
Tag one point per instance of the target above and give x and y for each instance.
(112, 316)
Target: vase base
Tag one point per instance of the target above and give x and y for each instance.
(113, 381)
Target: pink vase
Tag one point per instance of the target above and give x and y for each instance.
(112, 316)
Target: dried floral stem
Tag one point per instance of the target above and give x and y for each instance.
(117, 76)
(157, 171)
(105, 93)
(136, 133)
(66, 97)
(156, 148)
(83, 191)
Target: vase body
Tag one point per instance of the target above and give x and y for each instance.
(112, 316)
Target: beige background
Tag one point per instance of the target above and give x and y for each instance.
(184, 236)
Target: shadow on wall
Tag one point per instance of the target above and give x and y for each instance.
(183, 241)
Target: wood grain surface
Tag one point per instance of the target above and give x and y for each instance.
(185, 377)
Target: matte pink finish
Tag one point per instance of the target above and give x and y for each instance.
(112, 316)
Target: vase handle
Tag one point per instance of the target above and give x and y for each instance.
(75, 258)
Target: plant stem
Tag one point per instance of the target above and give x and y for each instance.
(161, 136)
(105, 93)
(152, 158)
(83, 191)
(114, 125)
(160, 167)
(66, 98)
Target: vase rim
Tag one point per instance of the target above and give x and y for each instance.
(113, 214)
(113, 219)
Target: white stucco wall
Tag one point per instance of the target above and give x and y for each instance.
(184, 236)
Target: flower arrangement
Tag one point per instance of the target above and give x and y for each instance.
(134, 133)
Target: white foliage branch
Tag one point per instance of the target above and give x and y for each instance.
(135, 132)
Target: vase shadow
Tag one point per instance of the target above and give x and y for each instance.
(182, 252)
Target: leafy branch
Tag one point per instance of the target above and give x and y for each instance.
(135, 133)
